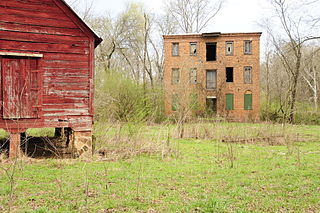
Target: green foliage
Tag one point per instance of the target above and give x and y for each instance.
(304, 113)
(120, 98)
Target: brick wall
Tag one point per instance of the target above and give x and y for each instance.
(238, 61)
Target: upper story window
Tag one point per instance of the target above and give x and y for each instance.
(229, 74)
(211, 51)
(229, 48)
(247, 75)
(247, 47)
(175, 76)
(175, 49)
(211, 79)
(193, 48)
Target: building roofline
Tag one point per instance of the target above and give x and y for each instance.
(210, 35)
(97, 38)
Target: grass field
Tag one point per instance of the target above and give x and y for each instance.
(199, 173)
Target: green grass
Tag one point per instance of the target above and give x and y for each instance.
(202, 176)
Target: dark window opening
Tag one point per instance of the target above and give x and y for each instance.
(211, 51)
(229, 74)
(211, 105)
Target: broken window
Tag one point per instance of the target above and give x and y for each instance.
(247, 47)
(229, 48)
(229, 74)
(193, 75)
(211, 79)
(175, 49)
(247, 75)
(211, 51)
(175, 102)
(175, 76)
(248, 101)
(193, 48)
(229, 102)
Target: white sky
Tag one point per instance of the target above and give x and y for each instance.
(236, 15)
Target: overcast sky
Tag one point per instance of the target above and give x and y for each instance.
(236, 15)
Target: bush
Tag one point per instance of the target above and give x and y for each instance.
(119, 98)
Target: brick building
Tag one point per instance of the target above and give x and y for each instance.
(217, 73)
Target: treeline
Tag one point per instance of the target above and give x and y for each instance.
(129, 63)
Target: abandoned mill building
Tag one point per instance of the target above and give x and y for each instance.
(217, 73)
(47, 71)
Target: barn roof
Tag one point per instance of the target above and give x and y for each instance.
(78, 21)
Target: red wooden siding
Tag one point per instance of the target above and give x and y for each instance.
(60, 88)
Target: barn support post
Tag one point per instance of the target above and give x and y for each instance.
(15, 142)
(81, 143)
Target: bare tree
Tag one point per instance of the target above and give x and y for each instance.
(193, 16)
(296, 30)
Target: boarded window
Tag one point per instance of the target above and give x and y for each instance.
(229, 48)
(175, 49)
(247, 75)
(229, 102)
(175, 102)
(211, 51)
(193, 48)
(175, 76)
(248, 47)
(193, 75)
(229, 74)
(211, 79)
(21, 87)
(248, 101)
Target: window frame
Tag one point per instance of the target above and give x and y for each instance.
(215, 83)
(232, 48)
(249, 52)
(245, 69)
(196, 45)
(173, 82)
(173, 45)
(232, 101)
(246, 105)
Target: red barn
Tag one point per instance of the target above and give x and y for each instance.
(47, 71)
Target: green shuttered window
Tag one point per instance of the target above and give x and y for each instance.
(175, 102)
(229, 102)
(247, 101)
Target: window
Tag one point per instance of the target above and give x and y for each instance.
(175, 49)
(229, 101)
(193, 76)
(193, 101)
(175, 76)
(229, 48)
(211, 51)
(247, 47)
(175, 102)
(193, 48)
(211, 79)
(211, 103)
(248, 101)
(229, 74)
(247, 75)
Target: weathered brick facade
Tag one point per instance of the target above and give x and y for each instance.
(227, 98)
